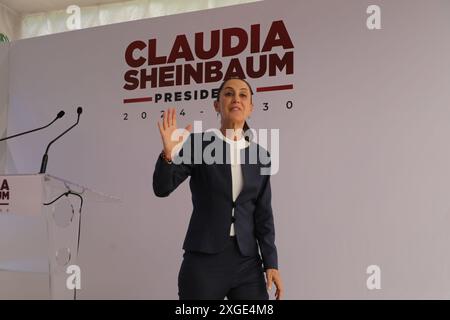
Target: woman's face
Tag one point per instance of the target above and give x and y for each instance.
(235, 101)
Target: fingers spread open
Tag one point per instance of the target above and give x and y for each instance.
(174, 118)
(165, 123)
(160, 128)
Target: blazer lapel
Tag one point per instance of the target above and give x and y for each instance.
(250, 175)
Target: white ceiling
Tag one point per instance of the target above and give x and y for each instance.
(32, 6)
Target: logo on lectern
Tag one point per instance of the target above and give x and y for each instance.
(4, 196)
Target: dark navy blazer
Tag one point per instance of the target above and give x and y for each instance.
(211, 188)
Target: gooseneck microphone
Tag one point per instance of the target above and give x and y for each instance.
(60, 115)
(45, 157)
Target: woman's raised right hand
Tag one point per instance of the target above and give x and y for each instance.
(167, 128)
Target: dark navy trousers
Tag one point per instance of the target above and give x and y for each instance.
(227, 274)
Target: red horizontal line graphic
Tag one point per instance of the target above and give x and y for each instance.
(135, 100)
(275, 88)
(4, 204)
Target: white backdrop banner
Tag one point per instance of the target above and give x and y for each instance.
(362, 114)
(4, 88)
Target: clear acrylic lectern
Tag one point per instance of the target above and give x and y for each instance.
(40, 227)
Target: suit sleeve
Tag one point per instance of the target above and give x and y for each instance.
(168, 176)
(265, 228)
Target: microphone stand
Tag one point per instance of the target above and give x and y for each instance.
(60, 115)
(45, 157)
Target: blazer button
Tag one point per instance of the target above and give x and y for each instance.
(234, 204)
(233, 219)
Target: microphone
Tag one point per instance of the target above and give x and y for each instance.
(60, 115)
(45, 157)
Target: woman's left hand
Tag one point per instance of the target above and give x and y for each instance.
(273, 275)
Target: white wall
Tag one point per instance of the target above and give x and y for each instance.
(9, 26)
(10, 22)
(45, 23)
(4, 97)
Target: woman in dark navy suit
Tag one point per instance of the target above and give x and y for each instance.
(232, 220)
